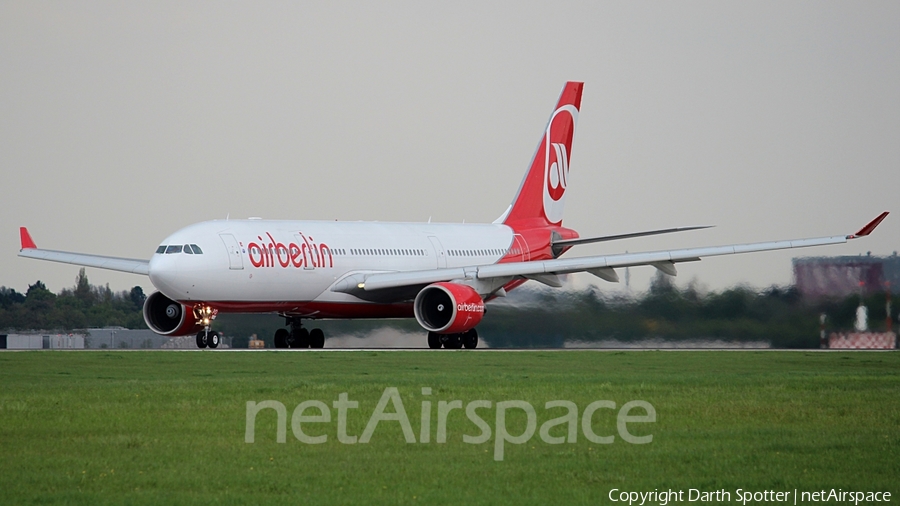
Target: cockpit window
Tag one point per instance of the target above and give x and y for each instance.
(174, 248)
(161, 249)
(187, 249)
(197, 250)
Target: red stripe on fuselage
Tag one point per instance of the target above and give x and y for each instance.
(337, 310)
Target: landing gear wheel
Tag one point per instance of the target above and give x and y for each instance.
(316, 338)
(300, 338)
(281, 337)
(453, 341)
(470, 339)
(434, 340)
(201, 339)
(212, 340)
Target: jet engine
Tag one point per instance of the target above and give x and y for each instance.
(448, 308)
(168, 317)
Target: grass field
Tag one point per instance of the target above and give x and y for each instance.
(169, 427)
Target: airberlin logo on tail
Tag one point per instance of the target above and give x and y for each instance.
(558, 172)
(557, 144)
(302, 254)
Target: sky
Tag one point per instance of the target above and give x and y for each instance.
(121, 122)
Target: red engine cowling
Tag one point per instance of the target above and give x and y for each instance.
(448, 308)
(168, 317)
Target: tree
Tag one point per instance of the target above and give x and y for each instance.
(38, 297)
(83, 290)
(10, 297)
(137, 297)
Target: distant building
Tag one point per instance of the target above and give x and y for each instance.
(120, 337)
(105, 338)
(818, 277)
(41, 341)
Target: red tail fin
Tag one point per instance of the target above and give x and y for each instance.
(542, 194)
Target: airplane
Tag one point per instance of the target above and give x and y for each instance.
(439, 273)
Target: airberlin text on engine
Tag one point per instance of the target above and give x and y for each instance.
(470, 307)
(307, 254)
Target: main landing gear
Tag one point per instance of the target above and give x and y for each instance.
(467, 339)
(299, 337)
(208, 338)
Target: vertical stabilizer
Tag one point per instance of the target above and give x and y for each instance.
(542, 195)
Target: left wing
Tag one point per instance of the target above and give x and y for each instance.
(30, 250)
(600, 266)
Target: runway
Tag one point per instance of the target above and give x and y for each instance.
(477, 350)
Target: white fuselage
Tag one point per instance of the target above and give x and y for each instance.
(259, 265)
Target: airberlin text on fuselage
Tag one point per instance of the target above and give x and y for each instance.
(308, 254)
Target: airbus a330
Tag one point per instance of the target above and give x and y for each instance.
(440, 273)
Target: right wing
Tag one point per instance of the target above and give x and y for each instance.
(600, 266)
(30, 250)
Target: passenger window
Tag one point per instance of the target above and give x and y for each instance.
(197, 250)
(161, 249)
(173, 249)
(188, 250)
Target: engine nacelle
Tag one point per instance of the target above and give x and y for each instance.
(168, 317)
(448, 308)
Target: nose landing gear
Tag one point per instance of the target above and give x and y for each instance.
(205, 315)
(208, 338)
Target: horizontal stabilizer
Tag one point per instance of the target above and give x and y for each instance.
(588, 240)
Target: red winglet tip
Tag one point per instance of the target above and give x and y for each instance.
(27, 241)
(870, 226)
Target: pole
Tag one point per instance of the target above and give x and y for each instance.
(822, 342)
(887, 305)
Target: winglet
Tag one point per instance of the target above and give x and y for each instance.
(25, 237)
(870, 227)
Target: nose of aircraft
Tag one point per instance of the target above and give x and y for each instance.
(164, 275)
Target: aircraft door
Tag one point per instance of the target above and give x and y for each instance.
(235, 261)
(438, 251)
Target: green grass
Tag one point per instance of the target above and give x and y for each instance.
(168, 427)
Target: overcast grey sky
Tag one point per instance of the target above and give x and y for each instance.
(121, 122)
